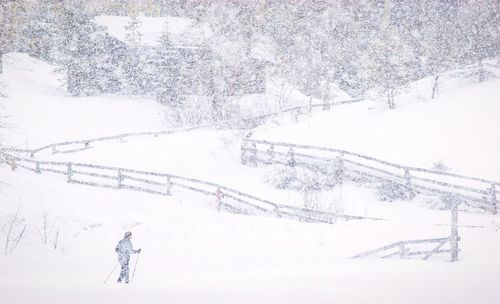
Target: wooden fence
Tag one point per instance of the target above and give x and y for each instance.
(477, 192)
(84, 144)
(164, 184)
(403, 249)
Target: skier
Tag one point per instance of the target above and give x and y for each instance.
(124, 248)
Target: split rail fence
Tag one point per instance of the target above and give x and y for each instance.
(84, 144)
(476, 192)
(410, 248)
(164, 184)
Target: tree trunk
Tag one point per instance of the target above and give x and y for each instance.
(435, 88)
(390, 98)
(481, 70)
(498, 32)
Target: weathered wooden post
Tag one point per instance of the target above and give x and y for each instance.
(219, 195)
(253, 153)
(69, 171)
(454, 238)
(13, 165)
(290, 158)
(340, 175)
(402, 250)
(270, 154)
(493, 198)
(277, 211)
(168, 186)
(37, 168)
(244, 152)
(120, 179)
(408, 184)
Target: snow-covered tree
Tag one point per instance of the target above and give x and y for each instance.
(3, 34)
(131, 66)
(167, 71)
(82, 41)
(437, 42)
(479, 30)
(388, 63)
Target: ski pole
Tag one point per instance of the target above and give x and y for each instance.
(109, 275)
(135, 267)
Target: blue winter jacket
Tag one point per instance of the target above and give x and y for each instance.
(124, 248)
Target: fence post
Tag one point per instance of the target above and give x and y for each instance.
(253, 154)
(13, 164)
(37, 168)
(270, 154)
(402, 250)
(32, 154)
(277, 211)
(168, 185)
(340, 175)
(494, 198)
(290, 159)
(120, 179)
(454, 233)
(408, 184)
(244, 152)
(69, 171)
(218, 195)
(87, 144)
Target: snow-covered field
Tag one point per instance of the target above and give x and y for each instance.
(193, 254)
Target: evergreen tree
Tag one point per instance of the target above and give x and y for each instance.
(3, 33)
(388, 60)
(132, 68)
(82, 43)
(438, 46)
(167, 72)
(479, 29)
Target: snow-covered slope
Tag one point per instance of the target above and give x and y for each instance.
(459, 128)
(40, 112)
(192, 253)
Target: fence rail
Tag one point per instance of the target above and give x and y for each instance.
(83, 144)
(163, 184)
(477, 192)
(402, 249)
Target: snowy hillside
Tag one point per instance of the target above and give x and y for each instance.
(249, 152)
(459, 128)
(41, 112)
(192, 252)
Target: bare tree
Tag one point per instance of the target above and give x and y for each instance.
(14, 229)
(49, 231)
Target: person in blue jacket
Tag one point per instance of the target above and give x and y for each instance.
(124, 248)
